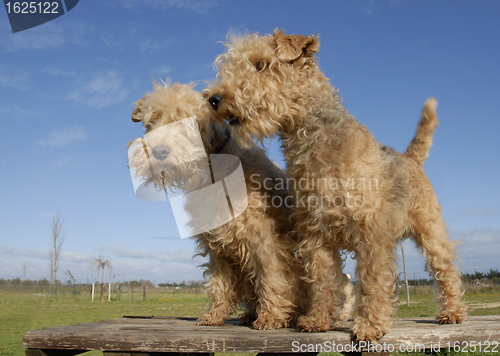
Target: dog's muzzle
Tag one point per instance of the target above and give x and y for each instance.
(214, 101)
(161, 152)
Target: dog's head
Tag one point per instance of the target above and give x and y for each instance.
(168, 103)
(179, 133)
(263, 82)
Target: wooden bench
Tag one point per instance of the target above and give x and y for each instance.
(141, 336)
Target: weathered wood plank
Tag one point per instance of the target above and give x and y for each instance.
(112, 353)
(153, 335)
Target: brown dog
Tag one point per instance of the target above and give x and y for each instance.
(250, 256)
(356, 194)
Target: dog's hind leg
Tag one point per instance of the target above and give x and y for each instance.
(431, 235)
(268, 265)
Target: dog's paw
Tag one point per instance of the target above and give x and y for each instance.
(210, 320)
(448, 317)
(313, 325)
(365, 331)
(268, 322)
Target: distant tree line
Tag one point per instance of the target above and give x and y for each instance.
(420, 282)
(25, 282)
(493, 275)
(139, 283)
(184, 284)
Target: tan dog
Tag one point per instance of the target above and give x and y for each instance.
(352, 193)
(250, 256)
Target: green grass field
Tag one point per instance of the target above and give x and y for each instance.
(26, 309)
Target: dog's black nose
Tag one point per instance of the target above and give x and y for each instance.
(214, 100)
(161, 152)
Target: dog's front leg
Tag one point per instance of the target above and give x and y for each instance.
(222, 294)
(273, 289)
(325, 282)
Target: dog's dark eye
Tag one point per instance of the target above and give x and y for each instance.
(260, 66)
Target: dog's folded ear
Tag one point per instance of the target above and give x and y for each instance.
(291, 47)
(136, 114)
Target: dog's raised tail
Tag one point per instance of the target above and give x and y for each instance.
(419, 147)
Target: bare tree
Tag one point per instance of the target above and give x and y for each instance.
(100, 263)
(70, 276)
(71, 280)
(56, 245)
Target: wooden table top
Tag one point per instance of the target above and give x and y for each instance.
(182, 335)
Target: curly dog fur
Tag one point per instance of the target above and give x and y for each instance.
(250, 258)
(352, 193)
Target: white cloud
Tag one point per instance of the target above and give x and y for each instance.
(161, 72)
(49, 36)
(58, 72)
(100, 91)
(475, 213)
(152, 46)
(75, 257)
(368, 7)
(14, 78)
(200, 6)
(158, 272)
(48, 215)
(67, 256)
(63, 137)
(17, 112)
(111, 41)
(176, 265)
(180, 256)
(60, 162)
(11, 252)
(144, 45)
(130, 264)
(477, 249)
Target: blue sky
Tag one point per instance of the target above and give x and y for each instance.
(67, 88)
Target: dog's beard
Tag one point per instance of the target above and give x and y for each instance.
(254, 129)
(188, 177)
(143, 167)
(180, 173)
(171, 156)
(250, 122)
